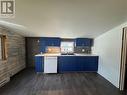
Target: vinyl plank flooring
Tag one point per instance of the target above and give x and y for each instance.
(27, 82)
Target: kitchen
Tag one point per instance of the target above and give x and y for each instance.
(65, 55)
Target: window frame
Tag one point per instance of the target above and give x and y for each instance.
(3, 47)
(67, 41)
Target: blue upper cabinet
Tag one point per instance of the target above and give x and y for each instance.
(53, 41)
(42, 44)
(84, 42)
(48, 41)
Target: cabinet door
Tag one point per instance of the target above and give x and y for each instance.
(39, 63)
(84, 42)
(42, 45)
(88, 63)
(93, 60)
(67, 64)
(53, 42)
(80, 63)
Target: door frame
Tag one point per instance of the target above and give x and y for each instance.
(123, 59)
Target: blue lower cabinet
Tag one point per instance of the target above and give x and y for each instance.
(77, 63)
(67, 64)
(39, 63)
(70, 63)
(87, 63)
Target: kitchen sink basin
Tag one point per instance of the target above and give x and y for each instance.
(67, 54)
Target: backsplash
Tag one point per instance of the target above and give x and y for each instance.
(52, 49)
(82, 49)
(78, 49)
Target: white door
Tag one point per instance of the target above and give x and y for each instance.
(50, 64)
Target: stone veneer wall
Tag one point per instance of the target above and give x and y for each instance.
(16, 55)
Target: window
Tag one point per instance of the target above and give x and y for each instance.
(3, 54)
(67, 47)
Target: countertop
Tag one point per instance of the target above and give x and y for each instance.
(59, 54)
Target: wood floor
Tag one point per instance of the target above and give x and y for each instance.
(28, 82)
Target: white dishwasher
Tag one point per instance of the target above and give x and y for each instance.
(50, 64)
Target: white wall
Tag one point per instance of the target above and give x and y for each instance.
(108, 47)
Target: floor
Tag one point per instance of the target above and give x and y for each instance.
(27, 82)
